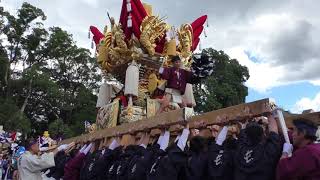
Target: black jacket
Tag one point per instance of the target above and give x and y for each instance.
(257, 161)
(220, 163)
(88, 172)
(171, 166)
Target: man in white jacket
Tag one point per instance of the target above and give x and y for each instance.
(30, 164)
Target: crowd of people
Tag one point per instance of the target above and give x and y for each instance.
(257, 152)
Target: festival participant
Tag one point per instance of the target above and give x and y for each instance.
(304, 163)
(73, 166)
(140, 165)
(109, 155)
(177, 79)
(172, 166)
(160, 152)
(88, 171)
(196, 167)
(30, 164)
(220, 156)
(256, 156)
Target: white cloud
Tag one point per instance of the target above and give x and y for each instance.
(281, 35)
(307, 103)
(262, 76)
(281, 44)
(316, 82)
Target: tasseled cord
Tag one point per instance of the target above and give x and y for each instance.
(92, 44)
(205, 32)
(129, 9)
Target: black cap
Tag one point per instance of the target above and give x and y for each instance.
(175, 58)
(307, 126)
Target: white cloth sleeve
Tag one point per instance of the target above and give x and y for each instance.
(114, 144)
(165, 140)
(177, 138)
(182, 142)
(83, 148)
(62, 147)
(85, 151)
(38, 163)
(222, 136)
(143, 145)
(160, 139)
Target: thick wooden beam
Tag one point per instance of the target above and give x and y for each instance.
(161, 120)
(314, 117)
(233, 113)
(221, 116)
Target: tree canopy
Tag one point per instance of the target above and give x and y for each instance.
(46, 79)
(225, 87)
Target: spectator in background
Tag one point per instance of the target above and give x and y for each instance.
(304, 163)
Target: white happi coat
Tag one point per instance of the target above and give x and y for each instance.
(30, 166)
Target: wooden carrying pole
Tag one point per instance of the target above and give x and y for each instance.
(221, 116)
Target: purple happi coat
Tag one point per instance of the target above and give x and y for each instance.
(303, 165)
(176, 78)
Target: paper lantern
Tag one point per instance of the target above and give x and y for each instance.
(105, 94)
(132, 80)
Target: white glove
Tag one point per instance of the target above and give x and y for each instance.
(83, 148)
(114, 144)
(62, 147)
(43, 149)
(182, 142)
(222, 136)
(287, 148)
(85, 151)
(161, 69)
(165, 140)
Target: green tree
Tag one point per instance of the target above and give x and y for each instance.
(225, 87)
(58, 129)
(45, 78)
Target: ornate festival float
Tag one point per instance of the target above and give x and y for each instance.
(137, 57)
(149, 68)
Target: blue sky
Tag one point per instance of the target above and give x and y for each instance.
(278, 41)
(287, 95)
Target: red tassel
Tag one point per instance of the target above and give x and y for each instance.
(205, 32)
